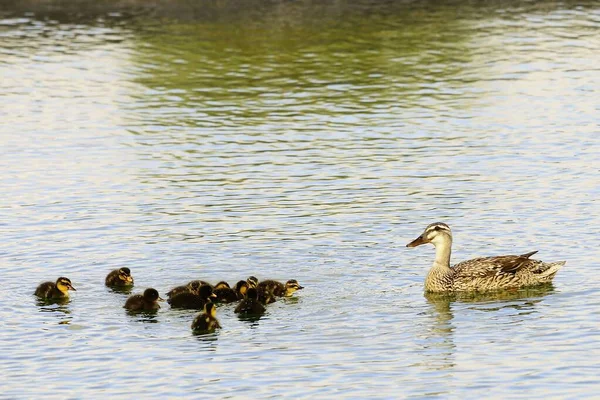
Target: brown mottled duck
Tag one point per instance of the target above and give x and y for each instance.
(480, 274)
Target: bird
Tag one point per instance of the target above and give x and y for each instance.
(191, 287)
(250, 305)
(191, 300)
(144, 302)
(225, 294)
(52, 290)
(119, 277)
(269, 289)
(480, 274)
(207, 320)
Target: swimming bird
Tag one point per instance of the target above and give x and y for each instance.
(52, 290)
(191, 300)
(269, 289)
(225, 294)
(480, 274)
(119, 277)
(144, 302)
(191, 287)
(207, 320)
(250, 305)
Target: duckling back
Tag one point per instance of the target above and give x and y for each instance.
(46, 290)
(144, 302)
(192, 300)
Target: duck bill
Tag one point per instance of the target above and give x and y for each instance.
(72, 288)
(160, 299)
(300, 287)
(129, 279)
(417, 242)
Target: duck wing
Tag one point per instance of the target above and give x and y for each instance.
(493, 266)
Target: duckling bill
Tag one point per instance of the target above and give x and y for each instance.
(144, 302)
(55, 290)
(207, 321)
(119, 277)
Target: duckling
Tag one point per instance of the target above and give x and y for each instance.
(58, 290)
(224, 293)
(206, 321)
(269, 289)
(144, 302)
(480, 274)
(119, 277)
(250, 305)
(191, 287)
(252, 282)
(193, 300)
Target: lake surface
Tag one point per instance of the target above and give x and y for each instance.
(308, 141)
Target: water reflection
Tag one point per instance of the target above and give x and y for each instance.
(439, 347)
(125, 290)
(149, 316)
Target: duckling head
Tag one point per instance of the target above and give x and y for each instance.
(125, 275)
(222, 285)
(436, 233)
(291, 286)
(252, 282)
(210, 310)
(151, 295)
(206, 292)
(64, 284)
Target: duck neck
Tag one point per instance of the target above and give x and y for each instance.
(443, 250)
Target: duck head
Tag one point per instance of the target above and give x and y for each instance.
(125, 275)
(252, 282)
(206, 292)
(436, 233)
(151, 295)
(64, 284)
(291, 286)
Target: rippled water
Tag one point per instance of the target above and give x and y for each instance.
(307, 141)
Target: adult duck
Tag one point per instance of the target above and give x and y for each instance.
(480, 274)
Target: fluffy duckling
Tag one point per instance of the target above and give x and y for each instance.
(229, 295)
(144, 302)
(269, 289)
(250, 305)
(193, 300)
(207, 321)
(191, 287)
(58, 290)
(119, 277)
(252, 282)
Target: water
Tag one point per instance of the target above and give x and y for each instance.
(290, 140)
